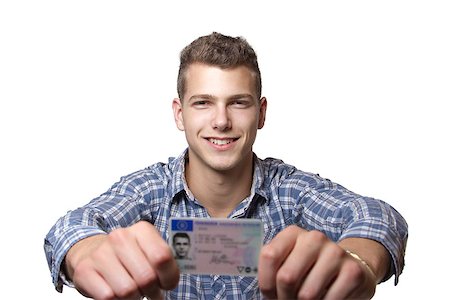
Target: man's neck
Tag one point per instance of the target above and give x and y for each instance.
(219, 191)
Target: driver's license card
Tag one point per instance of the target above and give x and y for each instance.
(216, 246)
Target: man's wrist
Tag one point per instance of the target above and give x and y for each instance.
(362, 262)
(371, 252)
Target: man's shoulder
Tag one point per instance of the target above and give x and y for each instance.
(276, 170)
(165, 170)
(275, 166)
(156, 172)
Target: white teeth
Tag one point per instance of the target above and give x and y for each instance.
(220, 142)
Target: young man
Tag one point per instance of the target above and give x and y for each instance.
(181, 244)
(320, 240)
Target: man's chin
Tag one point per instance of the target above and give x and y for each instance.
(223, 168)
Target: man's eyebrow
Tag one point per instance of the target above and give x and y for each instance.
(201, 96)
(241, 96)
(208, 96)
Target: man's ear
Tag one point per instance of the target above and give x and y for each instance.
(177, 108)
(262, 112)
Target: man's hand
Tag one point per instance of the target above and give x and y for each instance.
(128, 263)
(300, 264)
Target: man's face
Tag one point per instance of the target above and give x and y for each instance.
(181, 245)
(220, 114)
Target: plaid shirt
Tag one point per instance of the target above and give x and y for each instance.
(281, 195)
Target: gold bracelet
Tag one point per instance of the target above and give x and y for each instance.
(362, 261)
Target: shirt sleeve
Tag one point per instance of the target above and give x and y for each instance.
(118, 207)
(341, 214)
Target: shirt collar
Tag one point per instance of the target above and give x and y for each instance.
(258, 184)
(177, 166)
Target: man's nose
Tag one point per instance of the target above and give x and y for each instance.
(221, 119)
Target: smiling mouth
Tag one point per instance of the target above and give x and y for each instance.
(221, 142)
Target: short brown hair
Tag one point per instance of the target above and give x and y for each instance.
(218, 50)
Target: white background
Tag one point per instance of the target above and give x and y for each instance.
(356, 92)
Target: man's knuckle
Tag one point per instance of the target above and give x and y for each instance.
(146, 277)
(82, 270)
(269, 254)
(117, 236)
(317, 236)
(293, 228)
(105, 295)
(355, 271)
(162, 256)
(286, 279)
(336, 252)
(139, 225)
(307, 294)
(126, 289)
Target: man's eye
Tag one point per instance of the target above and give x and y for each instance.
(200, 103)
(240, 103)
